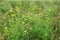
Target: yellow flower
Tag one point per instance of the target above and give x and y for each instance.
(5, 27)
(17, 8)
(6, 30)
(10, 10)
(39, 8)
(25, 30)
(23, 22)
(12, 15)
(4, 17)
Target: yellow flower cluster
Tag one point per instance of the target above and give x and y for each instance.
(6, 29)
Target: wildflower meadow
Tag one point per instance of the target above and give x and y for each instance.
(29, 20)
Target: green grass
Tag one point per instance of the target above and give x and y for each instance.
(30, 20)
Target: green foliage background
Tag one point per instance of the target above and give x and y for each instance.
(30, 20)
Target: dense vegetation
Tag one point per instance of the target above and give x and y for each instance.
(30, 20)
